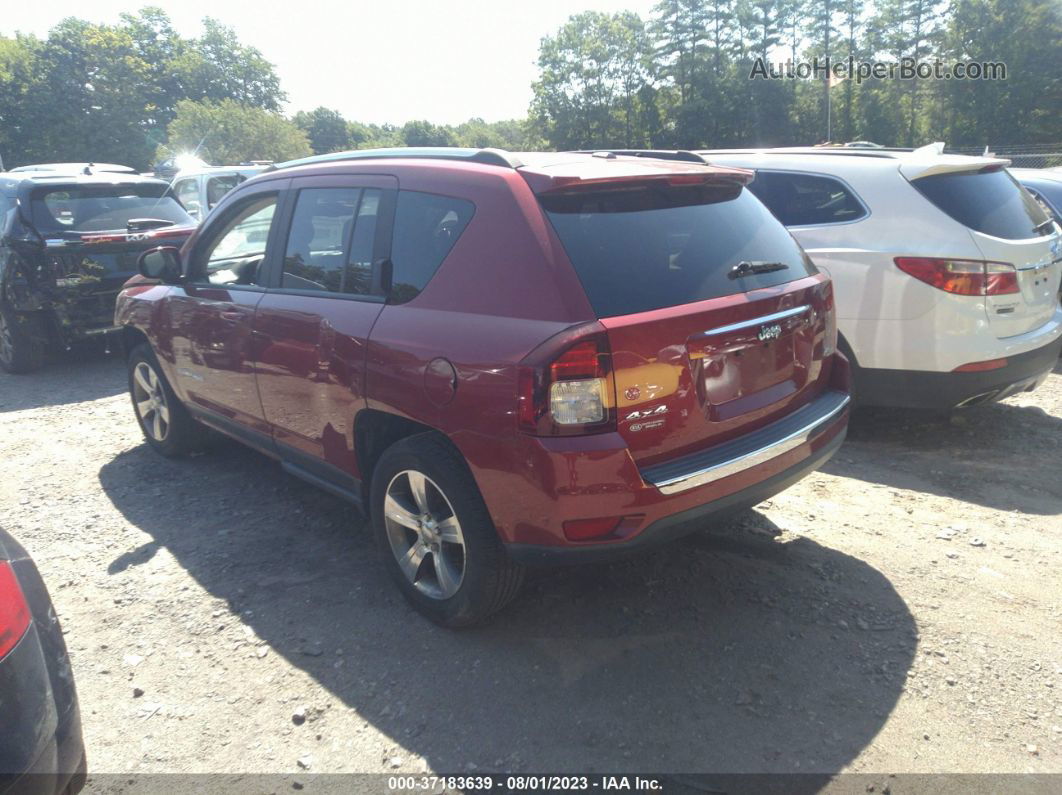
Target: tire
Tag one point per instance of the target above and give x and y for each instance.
(22, 343)
(167, 426)
(456, 575)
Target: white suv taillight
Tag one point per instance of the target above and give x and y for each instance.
(569, 393)
(962, 276)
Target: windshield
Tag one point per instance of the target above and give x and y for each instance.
(646, 248)
(100, 208)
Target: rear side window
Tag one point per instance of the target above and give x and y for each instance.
(989, 202)
(330, 242)
(426, 227)
(217, 187)
(652, 247)
(806, 199)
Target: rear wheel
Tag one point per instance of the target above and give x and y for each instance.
(165, 422)
(21, 342)
(436, 536)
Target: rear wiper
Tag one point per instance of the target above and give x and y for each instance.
(1046, 225)
(748, 268)
(147, 223)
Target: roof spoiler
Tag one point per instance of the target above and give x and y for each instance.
(682, 155)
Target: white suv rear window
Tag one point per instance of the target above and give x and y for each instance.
(989, 202)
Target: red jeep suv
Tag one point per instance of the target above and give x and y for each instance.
(507, 359)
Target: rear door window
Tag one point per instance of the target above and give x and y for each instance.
(647, 248)
(806, 199)
(426, 228)
(990, 202)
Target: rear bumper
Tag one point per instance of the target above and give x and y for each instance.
(599, 478)
(670, 527)
(921, 389)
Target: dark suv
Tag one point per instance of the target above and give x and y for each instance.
(70, 235)
(507, 359)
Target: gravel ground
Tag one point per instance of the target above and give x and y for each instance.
(898, 612)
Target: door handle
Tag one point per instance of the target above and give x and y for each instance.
(232, 314)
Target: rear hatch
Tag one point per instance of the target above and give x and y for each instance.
(715, 317)
(1008, 226)
(94, 233)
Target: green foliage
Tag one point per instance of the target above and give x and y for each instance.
(228, 132)
(424, 133)
(694, 89)
(326, 130)
(91, 92)
(123, 92)
(589, 91)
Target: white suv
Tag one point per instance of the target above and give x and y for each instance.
(946, 272)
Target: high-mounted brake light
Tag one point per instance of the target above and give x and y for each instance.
(570, 392)
(962, 276)
(14, 612)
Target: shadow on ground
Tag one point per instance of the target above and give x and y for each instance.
(1000, 455)
(85, 373)
(737, 651)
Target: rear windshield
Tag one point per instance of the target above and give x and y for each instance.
(651, 247)
(989, 202)
(98, 208)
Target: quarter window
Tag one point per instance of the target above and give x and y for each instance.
(426, 228)
(806, 199)
(330, 244)
(236, 253)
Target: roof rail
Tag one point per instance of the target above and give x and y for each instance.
(657, 154)
(490, 157)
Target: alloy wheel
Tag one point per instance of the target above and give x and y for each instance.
(150, 401)
(424, 534)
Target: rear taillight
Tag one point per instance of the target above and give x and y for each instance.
(962, 276)
(14, 612)
(567, 390)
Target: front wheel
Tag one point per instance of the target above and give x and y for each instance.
(435, 535)
(166, 424)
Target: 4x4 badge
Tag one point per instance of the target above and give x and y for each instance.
(771, 332)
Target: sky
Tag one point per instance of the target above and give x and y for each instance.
(382, 61)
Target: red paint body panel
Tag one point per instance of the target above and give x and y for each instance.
(299, 368)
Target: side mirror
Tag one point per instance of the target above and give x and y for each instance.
(162, 264)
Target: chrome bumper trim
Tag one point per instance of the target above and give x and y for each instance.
(732, 466)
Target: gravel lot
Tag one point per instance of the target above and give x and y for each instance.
(898, 612)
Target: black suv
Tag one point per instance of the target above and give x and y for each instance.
(68, 242)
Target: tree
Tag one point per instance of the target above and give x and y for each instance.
(1026, 35)
(228, 132)
(424, 133)
(591, 77)
(216, 66)
(326, 130)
